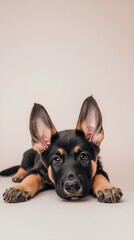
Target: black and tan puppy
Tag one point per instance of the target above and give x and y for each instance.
(67, 161)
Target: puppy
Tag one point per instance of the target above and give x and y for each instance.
(67, 160)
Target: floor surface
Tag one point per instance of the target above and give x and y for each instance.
(48, 217)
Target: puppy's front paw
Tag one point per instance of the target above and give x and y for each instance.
(111, 195)
(19, 176)
(14, 195)
(17, 179)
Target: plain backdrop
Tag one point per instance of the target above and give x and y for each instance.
(57, 53)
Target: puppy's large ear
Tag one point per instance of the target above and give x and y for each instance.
(41, 128)
(90, 121)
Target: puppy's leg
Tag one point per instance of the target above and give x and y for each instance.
(104, 191)
(25, 190)
(27, 163)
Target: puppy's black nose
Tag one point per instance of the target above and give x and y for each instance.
(72, 186)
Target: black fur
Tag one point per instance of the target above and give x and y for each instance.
(9, 171)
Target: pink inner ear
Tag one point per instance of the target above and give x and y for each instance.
(89, 132)
(89, 124)
(44, 142)
(44, 134)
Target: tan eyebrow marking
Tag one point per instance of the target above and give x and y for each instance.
(61, 151)
(76, 149)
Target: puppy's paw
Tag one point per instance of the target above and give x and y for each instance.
(109, 195)
(19, 176)
(15, 195)
(17, 179)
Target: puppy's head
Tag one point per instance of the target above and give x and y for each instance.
(70, 155)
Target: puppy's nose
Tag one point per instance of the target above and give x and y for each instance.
(72, 186)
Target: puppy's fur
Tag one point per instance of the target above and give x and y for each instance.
(67, 161)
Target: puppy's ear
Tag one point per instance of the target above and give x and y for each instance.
(41, 128)
(90, 121)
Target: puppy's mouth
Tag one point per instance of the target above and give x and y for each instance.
(75, 198)
(73, 190)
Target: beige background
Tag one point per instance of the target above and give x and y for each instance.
(57, 53)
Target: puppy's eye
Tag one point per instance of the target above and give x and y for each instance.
(57, 160)
(83, 157)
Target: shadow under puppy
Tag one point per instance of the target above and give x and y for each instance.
(67, 160)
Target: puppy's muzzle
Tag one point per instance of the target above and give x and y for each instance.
(72, 187)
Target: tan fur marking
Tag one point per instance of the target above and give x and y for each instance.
(78, 126)
(99, 138)
(94, 167)
(76, 149)
(100, 183)
(61, 151)
(20, 173)
(50, 174)
(53, 130)
(37, 147)
(31, 184)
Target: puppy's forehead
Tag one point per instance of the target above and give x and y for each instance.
(69, 138)
(70, 141)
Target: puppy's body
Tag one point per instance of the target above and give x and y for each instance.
(67, 161)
